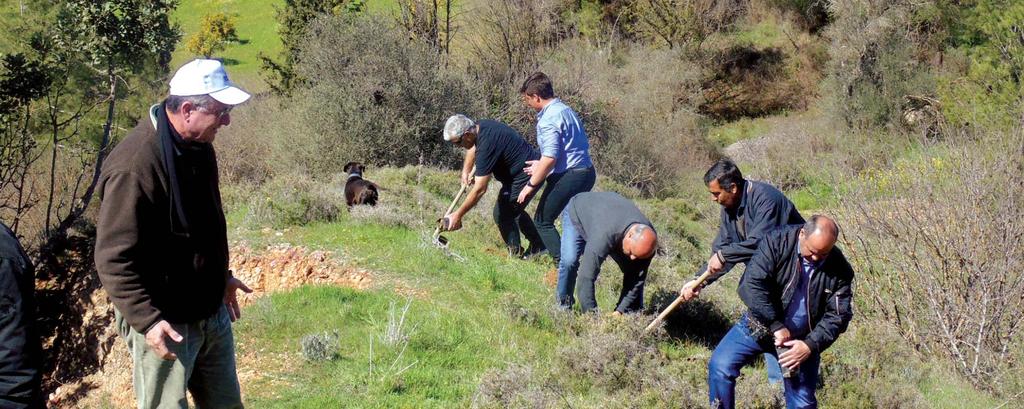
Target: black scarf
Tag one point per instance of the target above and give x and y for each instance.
(179, 222)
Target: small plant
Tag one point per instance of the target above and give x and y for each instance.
(320, 347)
(396, 331)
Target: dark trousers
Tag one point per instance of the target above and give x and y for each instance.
(560, 188)
(739, 348)
(512, 219)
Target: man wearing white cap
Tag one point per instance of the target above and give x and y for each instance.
(161, 245)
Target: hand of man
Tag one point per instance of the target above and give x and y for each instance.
(454, 221)
(797, 354)
(781, 336)
(690, 290)
(231, 300)
(524, 195)
(467, 179)
(155, 339)
(528, 169)
(715, 264)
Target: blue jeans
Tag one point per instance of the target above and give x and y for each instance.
(737, 349)
(572, 245)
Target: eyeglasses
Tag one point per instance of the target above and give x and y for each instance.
(221, 113)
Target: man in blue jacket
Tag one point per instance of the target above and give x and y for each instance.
(798, 292)
(750, 209)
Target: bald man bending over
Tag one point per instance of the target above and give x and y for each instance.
(797, 289)
(596, 225)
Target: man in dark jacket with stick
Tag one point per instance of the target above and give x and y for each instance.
(798, 292)
(19, 342)
(750, 209)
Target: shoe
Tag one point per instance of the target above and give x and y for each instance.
(516, 251)
(532, 252)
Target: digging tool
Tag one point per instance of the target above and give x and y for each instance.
(442, 223)
(671, 307)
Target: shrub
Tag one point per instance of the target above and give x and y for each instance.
(294, 200)
(935, 239)
(680, 23)
(320, 347)
(643, 131)
(374, 96)
(984, 78)
(215, 32)
(878, 56)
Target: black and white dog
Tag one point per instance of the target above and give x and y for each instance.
(359, 191)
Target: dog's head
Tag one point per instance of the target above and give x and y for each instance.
(354, 167)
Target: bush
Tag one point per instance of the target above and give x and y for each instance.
(680, 23)
(936, 243)
(373, 96)
(984, 78)
(878, 56)
(643, 131)
(294, 200)
(320, 347)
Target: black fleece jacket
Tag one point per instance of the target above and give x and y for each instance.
(771, 278)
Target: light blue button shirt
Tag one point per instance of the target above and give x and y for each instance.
(561, 136)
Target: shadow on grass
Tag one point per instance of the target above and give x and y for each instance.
(697, 320)
(229, 61)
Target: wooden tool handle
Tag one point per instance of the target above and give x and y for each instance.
(679, 300)
(451, 207)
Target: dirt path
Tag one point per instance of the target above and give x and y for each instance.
(276, 268)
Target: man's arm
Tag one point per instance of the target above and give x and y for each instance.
(467, 165)
(472, 198)
(634, 275)
(550, 142)
(755, 287)
(19, 360)
(721, 240)
(118, 247)
(838, 313)
(538, 171)
(590, 266)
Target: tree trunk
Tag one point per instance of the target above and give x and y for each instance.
(101, 154)
(53, 168)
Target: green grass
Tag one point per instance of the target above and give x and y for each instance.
(729, 133)
(256, 25)
(463, 324)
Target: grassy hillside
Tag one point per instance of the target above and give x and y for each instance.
(256, 25)
(481, 332)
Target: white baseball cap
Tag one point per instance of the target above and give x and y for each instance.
(206, 77)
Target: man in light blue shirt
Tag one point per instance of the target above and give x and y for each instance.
(565, 160)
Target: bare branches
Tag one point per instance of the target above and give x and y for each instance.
(941, 242)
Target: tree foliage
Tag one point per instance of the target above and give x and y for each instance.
(294, 18)
(215, 33)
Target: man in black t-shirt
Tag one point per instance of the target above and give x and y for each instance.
(497, 150)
